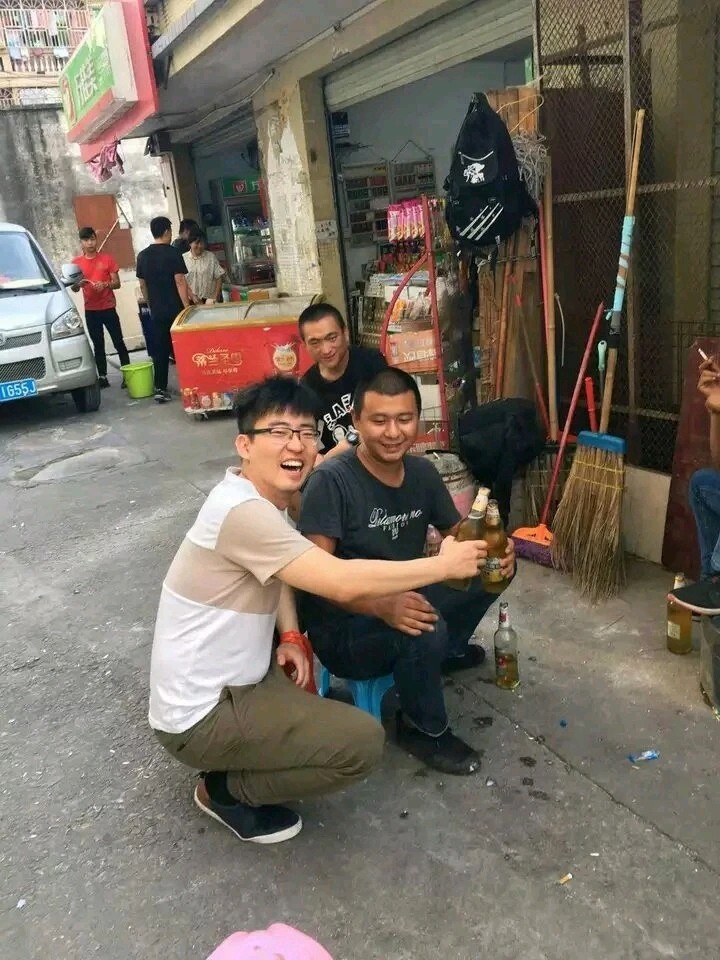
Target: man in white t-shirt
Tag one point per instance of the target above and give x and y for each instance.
(220, 700)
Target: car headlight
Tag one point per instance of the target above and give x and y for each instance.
(68, 325)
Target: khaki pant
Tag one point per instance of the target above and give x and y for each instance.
(279, 743)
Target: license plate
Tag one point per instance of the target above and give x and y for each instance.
(18, 390)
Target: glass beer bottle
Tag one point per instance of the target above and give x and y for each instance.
(493, 579)
(472, 529)
(507, 673)
(679, 623)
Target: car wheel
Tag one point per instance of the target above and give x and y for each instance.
(87, 399)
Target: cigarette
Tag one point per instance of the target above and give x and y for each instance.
(565, 879)
(702, 353)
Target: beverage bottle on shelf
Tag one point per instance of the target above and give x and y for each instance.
(493, 579)
(507, 673)
(679, 623)
(472, 529)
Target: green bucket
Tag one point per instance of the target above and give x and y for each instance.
(139, 379)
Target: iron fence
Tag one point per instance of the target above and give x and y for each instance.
(600, 60)
(39, 36)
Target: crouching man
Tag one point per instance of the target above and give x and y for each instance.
(220, 700)
(376, 502)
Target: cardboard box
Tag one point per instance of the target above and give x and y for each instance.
(413, 351)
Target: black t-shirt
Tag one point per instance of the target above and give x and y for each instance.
(370, 520)
(158, 265)
(335, 396)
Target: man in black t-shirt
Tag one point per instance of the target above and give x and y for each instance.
(336, 373)
(376, 502)
(161, 271)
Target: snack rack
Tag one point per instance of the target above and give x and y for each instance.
(410, 337)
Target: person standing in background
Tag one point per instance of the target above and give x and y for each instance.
(162, 274)
(337, 370)
(102, 278)
(204, 271)
(182, 242)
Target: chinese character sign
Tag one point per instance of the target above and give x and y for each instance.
(88, 77)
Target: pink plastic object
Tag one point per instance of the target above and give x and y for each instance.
(278, 942)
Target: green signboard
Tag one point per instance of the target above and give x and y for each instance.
(88, 77)
(241, 187)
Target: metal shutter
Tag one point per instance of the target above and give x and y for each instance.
(474, 31)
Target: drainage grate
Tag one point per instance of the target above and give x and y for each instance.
(21, 340)
(23, 370)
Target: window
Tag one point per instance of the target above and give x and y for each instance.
(21, 266)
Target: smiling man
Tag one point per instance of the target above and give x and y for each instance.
(220, 700)
(337, 370)
(376, 502)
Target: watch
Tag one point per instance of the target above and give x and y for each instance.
(352, 437)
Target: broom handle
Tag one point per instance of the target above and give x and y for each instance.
(571, 413)
(623, 267)
(550, 305)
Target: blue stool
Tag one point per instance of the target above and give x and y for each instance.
(367, 694)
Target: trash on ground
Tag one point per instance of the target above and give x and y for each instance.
(481, 722)
(528, 761)
(565, 879)
(404, 814)
(20, 904)
(594, 854)
(645, 755)
(563, 723)
(489, 782)
(528, 782)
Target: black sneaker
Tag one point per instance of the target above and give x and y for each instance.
(446, 753)
(103, 382)
(702, 597)
(267, 824)
(473, 657)
(162, 396)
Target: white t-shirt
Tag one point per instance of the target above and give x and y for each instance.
(203, 272)
(218, 604)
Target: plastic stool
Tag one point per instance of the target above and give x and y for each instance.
(367, 694)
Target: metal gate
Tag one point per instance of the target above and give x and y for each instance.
(599, 61)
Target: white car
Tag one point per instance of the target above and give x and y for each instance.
(43, 344)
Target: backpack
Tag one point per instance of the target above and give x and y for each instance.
(496, 440)
(486, 197)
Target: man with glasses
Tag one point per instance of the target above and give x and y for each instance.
(220, 700)
(336, 373)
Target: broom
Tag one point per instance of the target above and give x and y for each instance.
(534, 543)
(587, 540)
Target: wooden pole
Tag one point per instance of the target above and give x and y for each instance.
(549, 267)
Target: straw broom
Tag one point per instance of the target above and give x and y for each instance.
(587, 537)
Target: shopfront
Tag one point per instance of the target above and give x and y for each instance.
(232, 204)
(394, 116)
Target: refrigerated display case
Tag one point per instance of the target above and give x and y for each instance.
(226, 346)
(244, 231)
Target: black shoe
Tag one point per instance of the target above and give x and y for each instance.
(267, 824)
(473, 657)
(702, 597)
(162, 396)
(103, 382)
(446, 753)
(123, 386)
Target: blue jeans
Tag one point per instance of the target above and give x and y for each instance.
(704, 499)
(358, 648)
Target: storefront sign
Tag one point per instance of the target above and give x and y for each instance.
(108, 86)
(97, 85)
(240, 188)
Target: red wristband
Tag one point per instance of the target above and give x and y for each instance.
(300, 640)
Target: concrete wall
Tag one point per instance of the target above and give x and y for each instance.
(41, 173)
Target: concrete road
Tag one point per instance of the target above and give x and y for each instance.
(103, 853)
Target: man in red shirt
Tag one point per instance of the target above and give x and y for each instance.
(101, 278)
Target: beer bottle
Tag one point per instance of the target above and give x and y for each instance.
(493, 579)
(679, 623)
(507, 673)
(472, 529)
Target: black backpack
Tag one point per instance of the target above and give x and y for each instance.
(496, 440)
(486, 198)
